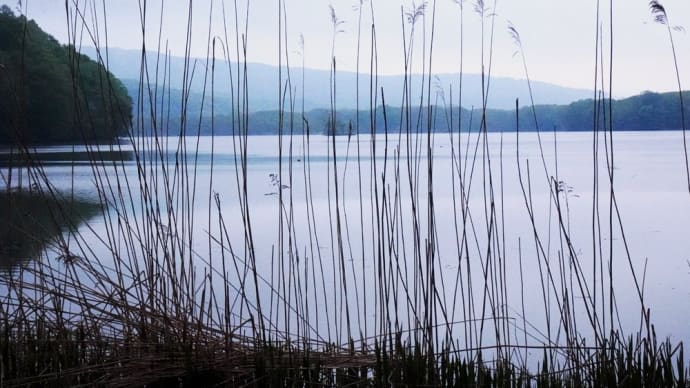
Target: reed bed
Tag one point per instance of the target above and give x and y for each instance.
(174, 290)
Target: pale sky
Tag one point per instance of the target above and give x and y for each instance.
(558, 36)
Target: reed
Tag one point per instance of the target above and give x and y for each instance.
(173, 286)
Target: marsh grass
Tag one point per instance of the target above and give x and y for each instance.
(159, 308)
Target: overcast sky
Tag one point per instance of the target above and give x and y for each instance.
(558, 36)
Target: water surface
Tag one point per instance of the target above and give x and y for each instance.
(401, 198)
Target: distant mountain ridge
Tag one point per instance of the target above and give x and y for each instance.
(556, 108)
(263, 84)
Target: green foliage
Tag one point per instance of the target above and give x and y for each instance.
(51, 93)
(647, 111)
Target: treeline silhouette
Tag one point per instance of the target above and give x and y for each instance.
(647, 111)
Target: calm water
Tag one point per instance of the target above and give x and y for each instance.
(649, 183)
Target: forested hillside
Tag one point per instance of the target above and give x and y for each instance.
(647, 111)
(49, 93)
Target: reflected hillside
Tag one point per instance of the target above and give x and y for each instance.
(31, 221)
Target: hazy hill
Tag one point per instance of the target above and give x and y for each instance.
(556, 107)
(263, 81)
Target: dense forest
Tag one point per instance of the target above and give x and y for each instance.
(647, 111)
(52, 94)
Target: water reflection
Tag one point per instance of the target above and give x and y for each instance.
(32, 220)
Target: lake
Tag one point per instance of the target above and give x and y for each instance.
(471, 233)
